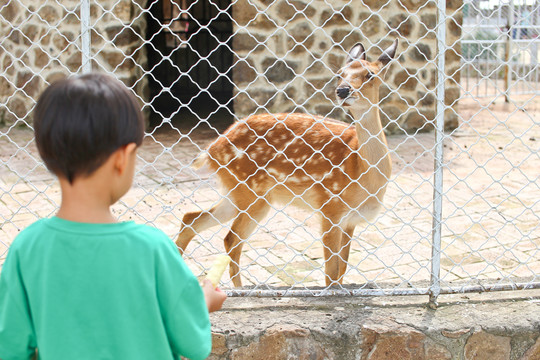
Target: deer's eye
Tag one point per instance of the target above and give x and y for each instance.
(369, 75)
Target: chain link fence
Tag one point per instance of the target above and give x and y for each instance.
(459, 106)
(500, 47)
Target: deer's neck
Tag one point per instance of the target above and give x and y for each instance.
(371, 139)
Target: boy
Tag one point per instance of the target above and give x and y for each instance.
(81, 285)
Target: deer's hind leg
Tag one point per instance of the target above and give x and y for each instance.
(198, 221)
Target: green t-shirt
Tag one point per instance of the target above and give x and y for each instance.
(99, 291)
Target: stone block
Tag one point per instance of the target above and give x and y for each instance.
(6, 89)
(420, 120)
(29, 83)
(282, 342)
(278, 70)
(402, 24)
(451, 120)
(346, 38)
(370, 23)
(10, 10)
(391, 118)
(406, 79)
(412, 6)
(533, 353)
(17, 108)
(247, 42)
(302, 34)
(219, 344)
(49, 13)
(452, 95)
(484, 346)
(388, 340)
(286, 11)
(454, 24)
(244, 12)
(426, 99)
(121, 35)
(262, 21)
(421, 52)
(374, 5)
(122, 10)
(306, 8)
(331, 17)
(244, 72)
(427, 25)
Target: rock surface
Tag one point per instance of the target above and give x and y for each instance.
(492, 326)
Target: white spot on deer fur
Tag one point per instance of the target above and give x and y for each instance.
(288, 144)
(257, 186)
(241, 131)
(238, 153)
(294, 179)
(226, 157)
(276, 174)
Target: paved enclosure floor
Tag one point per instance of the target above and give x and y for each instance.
(491, 204)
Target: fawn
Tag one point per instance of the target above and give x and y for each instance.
(326, 165)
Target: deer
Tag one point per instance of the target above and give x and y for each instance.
(338, 169)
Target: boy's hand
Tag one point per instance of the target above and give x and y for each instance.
(214, 296)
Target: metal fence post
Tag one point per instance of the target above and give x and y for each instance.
(435, 285)
(508, 51)
(85, 36)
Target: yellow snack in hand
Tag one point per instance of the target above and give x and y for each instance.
(215, 273)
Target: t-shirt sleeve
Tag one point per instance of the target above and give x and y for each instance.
(184, 309)
(17, 338)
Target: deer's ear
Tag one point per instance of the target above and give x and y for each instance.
(357, 52)
(389, 53)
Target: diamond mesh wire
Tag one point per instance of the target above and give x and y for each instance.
(197, 66)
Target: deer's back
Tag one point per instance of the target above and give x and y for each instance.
(287, 155)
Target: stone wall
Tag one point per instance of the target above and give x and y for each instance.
(496, 326)
(287, 53)
(37, 47)
(42, 43)
(298, 46)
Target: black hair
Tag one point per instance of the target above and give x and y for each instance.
(81, 120)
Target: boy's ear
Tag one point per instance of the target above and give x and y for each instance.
(130, 148)
(122, 155)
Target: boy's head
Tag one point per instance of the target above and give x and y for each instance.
(80, 121)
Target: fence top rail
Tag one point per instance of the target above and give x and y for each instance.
(378, 292)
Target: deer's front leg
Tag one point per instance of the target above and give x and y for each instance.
(332, 235)
(346, 238)
(242, 227)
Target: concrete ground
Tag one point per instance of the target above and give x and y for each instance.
(491, 205)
